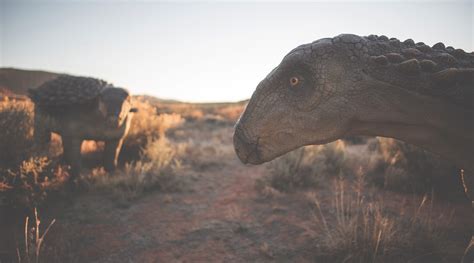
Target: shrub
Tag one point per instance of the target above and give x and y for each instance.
(16, 122)
(157, 169)
(231, 113)
(305, 167)
(358, 229)
(407, 168)
(27, 186)
(147, 124)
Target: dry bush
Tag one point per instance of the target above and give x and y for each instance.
(305, 167)
(203, 154)
(231, 113)
(407, 168)
(194, 115)
(189, 111)
(356, 228)
(16, 122)
(27, 185)
(157, 170)
(25, 175)
(147, 124)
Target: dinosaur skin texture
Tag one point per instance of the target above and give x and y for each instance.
(79, 108)
(352, 85)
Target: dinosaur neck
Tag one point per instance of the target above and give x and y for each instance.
(437, 126)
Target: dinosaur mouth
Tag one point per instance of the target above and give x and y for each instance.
(246, 149)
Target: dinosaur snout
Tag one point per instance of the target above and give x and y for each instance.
(245, 148)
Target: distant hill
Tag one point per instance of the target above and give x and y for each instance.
(14, 82)
(18, 81)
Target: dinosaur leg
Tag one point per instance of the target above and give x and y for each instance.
(468, 183)
(111, 153)
(72, 154)
(41, 134)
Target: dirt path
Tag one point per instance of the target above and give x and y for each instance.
(221, 218)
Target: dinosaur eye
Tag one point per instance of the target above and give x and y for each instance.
(294, 81)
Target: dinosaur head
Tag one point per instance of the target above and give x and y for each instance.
(115, 105)
(304, 100)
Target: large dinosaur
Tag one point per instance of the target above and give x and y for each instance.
(351, 85)
(81, 108)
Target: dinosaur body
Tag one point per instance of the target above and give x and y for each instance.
(351, 85)
(79, 108)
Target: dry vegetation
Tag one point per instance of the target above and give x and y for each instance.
(388, 163)
(149, 159)
(359, 227)
(354, 223)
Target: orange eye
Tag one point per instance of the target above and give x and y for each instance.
(294, 81)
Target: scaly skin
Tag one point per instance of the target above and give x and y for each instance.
(105, 118)
(351, 85)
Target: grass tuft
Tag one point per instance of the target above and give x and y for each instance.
(357, 227)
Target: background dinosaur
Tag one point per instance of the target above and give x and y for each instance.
(81, 108)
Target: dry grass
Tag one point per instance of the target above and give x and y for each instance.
(403, 167)
(230, 113)
(16, 122)
(26, 176)
(388, 163)
(28, 185)
(357, 228)
(157, 170)
(306, 167)
(33, 240)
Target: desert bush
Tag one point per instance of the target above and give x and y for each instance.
(407, 168)
(194, 115)
(357, 228)
(206, 153)
(156, 170)
(16, 122)
(231, 113)
(146, 124)
(305, 167)
(26, 176)
(28, 185)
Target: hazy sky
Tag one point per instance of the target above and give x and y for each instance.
(204, 51)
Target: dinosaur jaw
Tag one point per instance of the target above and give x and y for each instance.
(247, 150)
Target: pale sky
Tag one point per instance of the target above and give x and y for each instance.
(204, 51)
